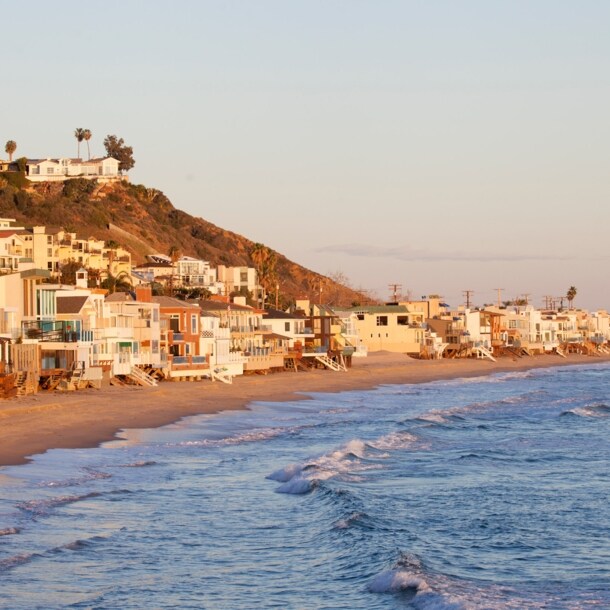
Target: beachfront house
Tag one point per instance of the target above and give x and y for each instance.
(392, 328)
(180, 335)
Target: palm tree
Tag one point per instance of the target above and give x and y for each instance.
(87, 136)
(79, 134)
(9, 149)
(571, 295)
(265, 261)
(175, 254)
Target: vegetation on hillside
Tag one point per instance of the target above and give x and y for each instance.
(144, 221)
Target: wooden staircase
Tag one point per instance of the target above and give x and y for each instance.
(330, 364)
(142, 378)
(221, 374)
(483, 352)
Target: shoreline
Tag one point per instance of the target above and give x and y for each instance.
(35, 424)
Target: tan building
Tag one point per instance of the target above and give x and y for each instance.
(390, 328)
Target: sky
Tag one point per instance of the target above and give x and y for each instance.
(442, 146)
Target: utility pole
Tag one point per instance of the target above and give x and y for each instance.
(526, 298)
(499, 295)
(547, 301)
(467, 294)
(395, 290)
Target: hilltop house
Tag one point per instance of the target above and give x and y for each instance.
(57, 170)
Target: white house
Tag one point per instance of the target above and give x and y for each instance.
(58, 170)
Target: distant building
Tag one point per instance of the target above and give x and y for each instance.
(57, 170)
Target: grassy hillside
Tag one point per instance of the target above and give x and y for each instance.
(144, 221)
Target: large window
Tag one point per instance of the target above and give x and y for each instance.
(382, 320)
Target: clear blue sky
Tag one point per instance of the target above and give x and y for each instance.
(440, 145)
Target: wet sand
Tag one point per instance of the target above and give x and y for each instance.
(33, 424)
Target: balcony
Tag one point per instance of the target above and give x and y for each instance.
(58, 331)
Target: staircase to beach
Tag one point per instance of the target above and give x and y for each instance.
(221, 374)
(330, 364)
(140, 377)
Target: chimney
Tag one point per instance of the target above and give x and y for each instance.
(144, 294)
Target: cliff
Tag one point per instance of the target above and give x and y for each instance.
(144, 221)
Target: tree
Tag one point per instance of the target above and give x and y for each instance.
(87, 136)
(571, 295)
(116, 148)
(9, 149)
(79, 134)
(265, 260)
(118, 283)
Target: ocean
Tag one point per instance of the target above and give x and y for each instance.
(489, 492)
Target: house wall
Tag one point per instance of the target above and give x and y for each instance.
(381, 332)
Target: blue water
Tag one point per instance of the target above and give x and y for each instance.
(473, 493)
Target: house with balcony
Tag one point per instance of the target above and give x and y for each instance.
(180, 336)
(131, 330)
(248, 337)
(215, 343)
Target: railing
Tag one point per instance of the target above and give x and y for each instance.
(188, 360)
(58, 331)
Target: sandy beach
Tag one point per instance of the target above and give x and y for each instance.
(34, 424)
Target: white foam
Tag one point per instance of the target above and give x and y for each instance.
(297, 486)
(338, 462)
(283, 475)
(396, 581)
(392, 581)
(393, 441)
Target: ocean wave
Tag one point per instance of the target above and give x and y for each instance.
(394, 441)
(90, 475)
(9, 531)
(420, 594)
(16, 560)
(250, 436)
(44, 506)
(139, 464)
(349, 521)
(596, 411)
(345, 462)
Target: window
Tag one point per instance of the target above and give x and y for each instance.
(360, 316)
(193, 324)
(382, 320)
(287, 326)
(402, 320)
(49, 239)
(49, 252)
(155, 346)
(243, 277)
(155, 315)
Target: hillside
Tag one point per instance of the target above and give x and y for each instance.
(144, 221)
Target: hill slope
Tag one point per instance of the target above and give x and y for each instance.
(144, 221)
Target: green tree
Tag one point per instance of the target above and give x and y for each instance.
(10, 148)
(79, 134)
(117, 283)
(571, 295)
(87, 136)
(116, 148)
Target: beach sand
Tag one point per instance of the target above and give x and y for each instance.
(33, 424)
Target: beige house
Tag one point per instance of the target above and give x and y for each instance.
(392, 328)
